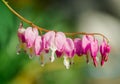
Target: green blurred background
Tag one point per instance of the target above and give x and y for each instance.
(62, 15)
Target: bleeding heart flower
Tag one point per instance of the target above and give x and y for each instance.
(21, 33)
(104, 50)
(21, 37)
(69, 51)
(78, 46)
(86, 40)
(69, 48)
(94, 50)
(56, 42)
(30, 36)
(86, 43)
(38, 47)
(48, 40)
(49, 43)
(60, 40)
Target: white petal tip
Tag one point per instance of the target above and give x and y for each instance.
(30, 56)
(67, 67)
(66, 62)
(42, 65)
(97, 59)
(52, 59)
(88, 62)
(17, 53)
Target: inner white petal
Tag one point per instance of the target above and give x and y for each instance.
(21, 30)
(52, 58)
(66, 62)
(53, 48)
(44, 58)
(97, 59)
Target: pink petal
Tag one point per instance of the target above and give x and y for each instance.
(58, 53)
(30, 36)
(94, 48)
(104, 50)
(108, 48)
(95, 61)
(102, 62)
(38, 45)
(21, 33)
(86, 43)
(69, 47)
(48, 39)
(78, 46)
(60, 40)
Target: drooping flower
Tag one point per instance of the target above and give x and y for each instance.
(48, 39)
(30, 35)
(60, 40)
(38, 46)
(54, 41)
(78, 46)
(104, 50)
(48, 43)
(21, 33)
(69, 48)
(21, 37)
(86, 43)
(68, 52)
(86, 40)
(94, 50)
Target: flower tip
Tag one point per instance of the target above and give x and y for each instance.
(95, 64)
(67, 67)
(18, 53)
(66, 62)
(20, 25)
(106, 59)
(42, 65)
(52, 59)
(102, 63)
(87, 61)
(30, 56)
(71, 63)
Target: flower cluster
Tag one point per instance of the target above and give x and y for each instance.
(51, 43)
